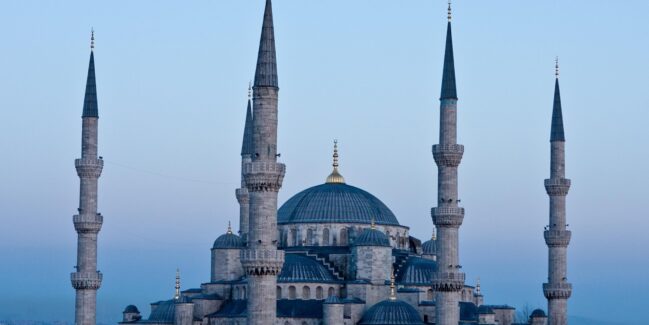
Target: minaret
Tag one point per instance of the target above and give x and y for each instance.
(263, 175)
(86, 280)
(557, 290)
(246, 157)
(448, 281)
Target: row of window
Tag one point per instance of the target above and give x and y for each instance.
(292, 293)
(292, 237)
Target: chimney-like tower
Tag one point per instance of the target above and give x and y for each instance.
(557, 290)
(263, 175)
(86, 280)
(448, 281)
(246, 157)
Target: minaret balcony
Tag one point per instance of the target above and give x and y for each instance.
(89, 167)
(86, 280)
(557, 238)
(263, 176)
(242, 195)
(448, 155)
(262, 261)
(557, 186)
(448, 281)
(447, 216)
(557, 290)
(88, 223)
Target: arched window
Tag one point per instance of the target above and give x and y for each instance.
(343, 237)
(319, 292)
(398, 240)
(309, 237)
(429, 295)
(279, 292)
(325, 237)
(243, 292)
(306, 292)
(330, 292)
(293, 237)
(236, 293)
(291, 292)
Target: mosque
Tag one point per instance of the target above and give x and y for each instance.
(334, 253)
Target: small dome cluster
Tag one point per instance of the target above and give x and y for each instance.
(372, 237)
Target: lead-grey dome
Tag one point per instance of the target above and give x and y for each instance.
(391, 312)
(372, 237)
(429, 247)
(299, 268)
(416, 271)
(538, 313)
(228, 241)
(335, 203)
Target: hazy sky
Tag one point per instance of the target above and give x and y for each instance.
(172, 82)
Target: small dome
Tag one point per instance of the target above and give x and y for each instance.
(300, 268)
(416, 271)
(228, 241)
(131, 309)
(538, 313)
(485, 310)
(429, 247)
(335, 203)
(391, 312)
(372, 237)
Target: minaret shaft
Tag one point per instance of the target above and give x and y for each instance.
(557, 290)
(87, 280)
(263, 176)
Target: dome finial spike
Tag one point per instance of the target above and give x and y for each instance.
(177, 294)
(335, 176)
(556, 67)
(477, 286)
(229, 232)
(449, 10)
(393, 291)
(373, 224)
(92, 38)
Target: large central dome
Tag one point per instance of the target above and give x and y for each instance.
(335, 203)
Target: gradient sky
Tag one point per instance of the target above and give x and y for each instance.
(172, 82)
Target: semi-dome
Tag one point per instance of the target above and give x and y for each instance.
(335, 203)
(300, 268)
(391, 312)
(164, 312)
(228, 241)
(417, 271)
(372, 237)
(429, 247)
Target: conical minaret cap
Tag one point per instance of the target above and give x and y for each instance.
(247, 144)
(90, 107)
(449, 90)
(266, 72)
(556, 133)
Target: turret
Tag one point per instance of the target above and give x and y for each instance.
(183, 307)
(131, 314)
(263, 176)
(333, 311)
(448, 280)
(226, 257)
(557, 290)
(87, 280)
(538, 317)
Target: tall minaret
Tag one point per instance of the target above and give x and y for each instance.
(557, 290)
(246, 157)
(262, 261)
(88, 222)
(448, 281)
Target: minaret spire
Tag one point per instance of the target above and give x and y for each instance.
(247, 148)
(177, 286)
(448, 281)
(87, 280)
(393, 287)
(557, 290)
(263, 177)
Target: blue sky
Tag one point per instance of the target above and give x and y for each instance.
(172, 84)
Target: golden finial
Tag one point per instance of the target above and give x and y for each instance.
(556, 67)
(92, 38)
(393, 291)
(335, 177)
(449, 10)
(477, 286)
(229, 228)
(249, 89)
(373, 224)
(177, 294)
(434, 236)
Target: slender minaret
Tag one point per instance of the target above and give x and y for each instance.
(86, 280)
(246, 157)
(557, 290)
(448, 281)
(263, 175)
